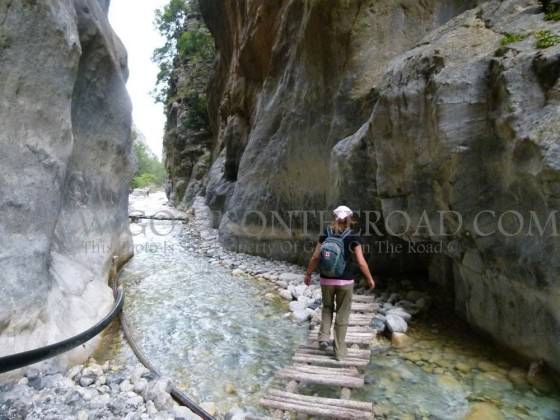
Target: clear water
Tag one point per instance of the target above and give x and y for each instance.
(446, 371)
(212, 333)
(219, 337)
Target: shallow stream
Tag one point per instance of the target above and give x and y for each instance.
(222, 337)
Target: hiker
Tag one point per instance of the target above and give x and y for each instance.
(333, 253)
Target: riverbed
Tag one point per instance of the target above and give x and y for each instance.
(221, 337)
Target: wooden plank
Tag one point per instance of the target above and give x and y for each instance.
(359, 322)
(350, 339)
(339, 380)
(354, 353)
(363, 298)
(363, 307)
(328, 361)
(359, 329)
(316, 410)
(343, 403)
(322, 370)
(353, 332)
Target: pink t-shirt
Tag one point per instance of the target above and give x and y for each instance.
(335, 282)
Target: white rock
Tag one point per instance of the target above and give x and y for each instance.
(396, 324)
(209, 407)
(157, 392)
(303, 314)
(151, 408)
(181, 412)
(291, 277)
(140, 385)
(286, 294)
(138, 372)
(73, 371)
(399, 312)
(126, 386)
(304, 300)
(297, 305)
(83, 415)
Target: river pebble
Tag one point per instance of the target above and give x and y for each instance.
(80, 393)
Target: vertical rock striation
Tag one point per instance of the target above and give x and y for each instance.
(398, 106)
(467, 124)
(293, 78)
(65, 166)
(187, 142)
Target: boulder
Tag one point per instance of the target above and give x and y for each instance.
(396, 324)
(400, 312)
(286, 294)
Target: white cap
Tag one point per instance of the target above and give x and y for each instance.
(342, 212)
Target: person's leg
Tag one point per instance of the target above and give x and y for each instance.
(343, 297)
(327, 294)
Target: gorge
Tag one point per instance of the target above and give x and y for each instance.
(411, 107)
(436, 121)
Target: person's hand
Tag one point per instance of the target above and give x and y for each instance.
(371, 283)
(307, 279)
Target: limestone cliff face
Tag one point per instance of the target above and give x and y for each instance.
(187, 142)
(65, 165)
(398, 106)
(293, 79)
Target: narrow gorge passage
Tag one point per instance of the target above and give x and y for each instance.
(432, 126)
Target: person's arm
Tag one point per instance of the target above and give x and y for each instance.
(364, 268)
(312, 263)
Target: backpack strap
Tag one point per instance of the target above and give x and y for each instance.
(346, 233)
(329, 231)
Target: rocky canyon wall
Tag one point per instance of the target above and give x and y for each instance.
(65, 167)
(422, 108)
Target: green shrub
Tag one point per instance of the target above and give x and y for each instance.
(546, 39)
(195, 43)
(143, 181)
(511, 38)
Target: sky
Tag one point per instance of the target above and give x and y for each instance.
(132, 20)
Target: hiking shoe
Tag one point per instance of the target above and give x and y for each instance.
(323, 345)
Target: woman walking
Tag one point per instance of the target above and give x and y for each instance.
(333, 254)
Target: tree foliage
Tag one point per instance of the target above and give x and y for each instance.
(149, 170)
(181, 43)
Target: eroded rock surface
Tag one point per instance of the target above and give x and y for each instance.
(64, 169)
(398, 106)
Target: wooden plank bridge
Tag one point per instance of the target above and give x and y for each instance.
(310, 365)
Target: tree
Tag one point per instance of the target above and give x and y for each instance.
(193, 43)
(149, 170)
